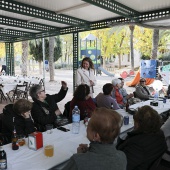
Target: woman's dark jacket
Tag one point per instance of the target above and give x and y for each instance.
(142, 149)
(23, 126)
(44, 112)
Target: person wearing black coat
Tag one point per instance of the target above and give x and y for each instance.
(17, 115)
(45, 110)
(146, 143)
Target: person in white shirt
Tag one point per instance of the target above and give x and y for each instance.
(85, 74)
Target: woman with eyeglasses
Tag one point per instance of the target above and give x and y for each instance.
(45, 109)
(142, 91)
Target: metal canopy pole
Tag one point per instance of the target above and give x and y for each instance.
(43, 47)
(75, 57)
(10, 58)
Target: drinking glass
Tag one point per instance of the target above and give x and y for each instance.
(49, 128)
(49, 150)
(21, 140)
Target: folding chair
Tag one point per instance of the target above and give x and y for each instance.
(18, 92)
(26, 90)
(2, 96)
(42, 83)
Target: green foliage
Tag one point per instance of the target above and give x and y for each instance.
(165, 57)
(37, 51)
(57, 49)
(145, 57)
(2, 50)
(143, 40)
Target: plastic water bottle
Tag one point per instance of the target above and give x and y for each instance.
(156, 96)
(75, 120)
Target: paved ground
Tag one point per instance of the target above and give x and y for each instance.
(67, 75)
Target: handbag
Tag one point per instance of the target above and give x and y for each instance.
(61, 121)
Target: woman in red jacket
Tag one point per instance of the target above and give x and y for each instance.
(83, 100)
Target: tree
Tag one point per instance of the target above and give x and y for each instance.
(51, 58)
(143, 40)
(37, 52)
(120, 39)
(2, 50)
(67, 47)
(57, 49)
(155, 41)
(131, 27)
(24, 57)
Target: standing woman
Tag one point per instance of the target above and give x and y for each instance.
(85, 74)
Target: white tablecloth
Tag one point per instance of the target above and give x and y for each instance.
(18, 79)
(8, 87)
(65, 145)
(162, 107)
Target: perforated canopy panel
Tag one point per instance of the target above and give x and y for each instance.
(29, 19)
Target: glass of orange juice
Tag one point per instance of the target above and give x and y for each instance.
(21, 140)
(49, 150)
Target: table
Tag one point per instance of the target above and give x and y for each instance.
(65, 145)
(162, 107)
(8, 87)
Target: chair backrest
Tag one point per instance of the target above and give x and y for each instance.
(42, 83)
(155, 163)
(25, 83)
(67, 110)
(134, 94)
(20, 92)
(1, 115)
(21, 87)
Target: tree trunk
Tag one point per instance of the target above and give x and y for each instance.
(51, 58)
(155, 43)
(24, 58)
(131, 27)
(29, 65)
(119, 61)
(40, 67)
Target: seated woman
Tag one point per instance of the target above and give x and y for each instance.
(116, 93)
(168, 92)
(146, 142)
(18, 115)
(166, 129)
(105, 99)
(83, 100)
(45, 109)
(102, 129)
(142, 91)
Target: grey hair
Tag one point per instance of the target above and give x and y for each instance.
(116, 81)
(34, 90)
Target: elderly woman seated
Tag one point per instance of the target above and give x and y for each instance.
(166, 129)
(103, 128)
(83, 100)
(116, 93)
(142, 91)
(146, 143)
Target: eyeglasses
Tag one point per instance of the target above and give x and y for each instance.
(142, 81)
